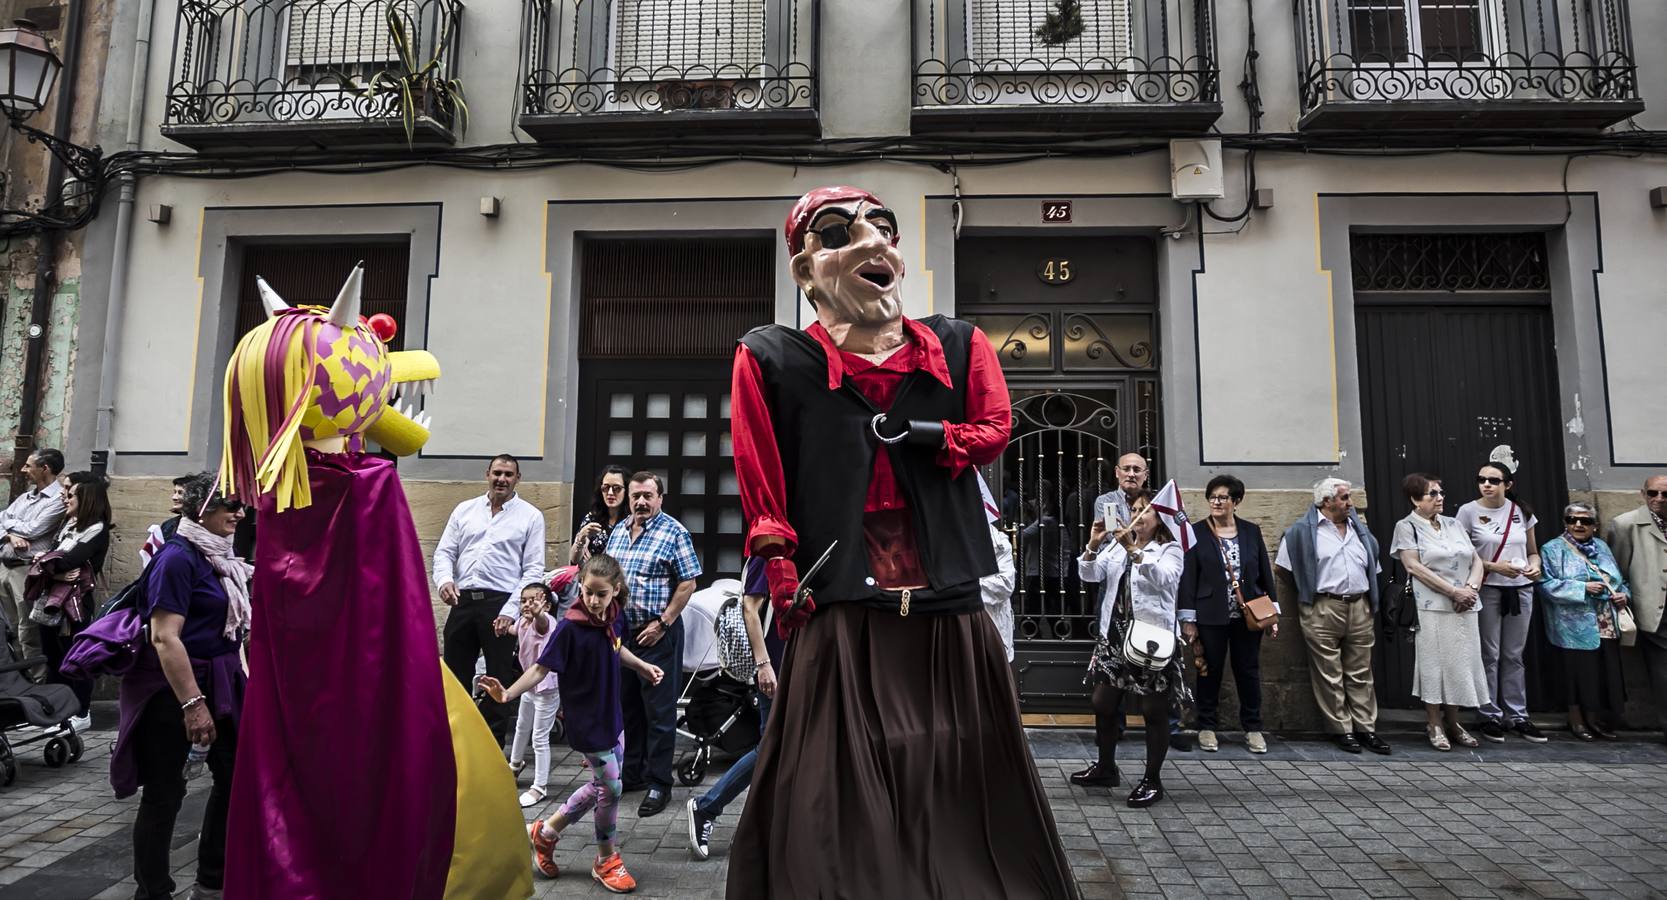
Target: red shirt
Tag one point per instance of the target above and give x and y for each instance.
(976, 441)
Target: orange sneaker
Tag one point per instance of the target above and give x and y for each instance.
(544, 850)
(611, 872)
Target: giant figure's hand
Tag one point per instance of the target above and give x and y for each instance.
(783, 578)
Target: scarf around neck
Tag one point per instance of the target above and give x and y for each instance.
(234, 573)
(578, 613)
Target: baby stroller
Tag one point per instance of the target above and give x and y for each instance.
(717, 711)
(33, 713)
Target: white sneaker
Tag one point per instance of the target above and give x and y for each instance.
(532, 796)
(1207, 741)
(1256, 742)
(81, 723)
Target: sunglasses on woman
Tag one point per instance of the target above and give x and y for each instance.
(1489, 479)
(1579, 520)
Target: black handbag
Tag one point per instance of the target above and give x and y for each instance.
(1400, 604)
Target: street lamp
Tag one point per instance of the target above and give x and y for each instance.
(28, 71)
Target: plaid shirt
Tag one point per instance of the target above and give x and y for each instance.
(654, 563)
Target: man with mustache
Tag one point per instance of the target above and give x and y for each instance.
(895, 708)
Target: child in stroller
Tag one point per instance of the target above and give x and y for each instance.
(33, 713)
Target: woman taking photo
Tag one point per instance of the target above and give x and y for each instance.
(607, 509)
(1502, 529)
(1446, 579)
(185, 691)
(1584, 590)
(1142, 568)
(1227, 567)
(76, 564)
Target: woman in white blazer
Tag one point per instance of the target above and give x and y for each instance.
(1142, 569)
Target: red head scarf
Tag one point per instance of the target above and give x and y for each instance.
(799, 219)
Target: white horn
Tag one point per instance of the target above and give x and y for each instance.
(344, 313)
(269, 298)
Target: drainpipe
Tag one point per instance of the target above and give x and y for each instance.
(124, 237)
(40, 308)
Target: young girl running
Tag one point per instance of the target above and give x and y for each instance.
(585, 651)
(538, 706)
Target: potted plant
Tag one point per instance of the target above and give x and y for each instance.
(419, 86)
(1063, 24)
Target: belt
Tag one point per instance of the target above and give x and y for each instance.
(480, 594)
(1346, 598)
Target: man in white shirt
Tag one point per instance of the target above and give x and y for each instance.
(1333, 562)
(29, 525)
(492, 547)
(1112, 507)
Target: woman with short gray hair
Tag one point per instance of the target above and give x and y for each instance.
(1585, 592)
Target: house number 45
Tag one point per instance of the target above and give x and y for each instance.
(1055, 271)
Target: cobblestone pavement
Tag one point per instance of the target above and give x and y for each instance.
(1561, 820)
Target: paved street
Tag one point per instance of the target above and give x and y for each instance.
(1562, 820)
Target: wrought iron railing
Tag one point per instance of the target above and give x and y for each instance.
(590, 57)
(239, 62)
(1059, 52)
(1394, 50)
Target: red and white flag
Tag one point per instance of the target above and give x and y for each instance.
(1170, 512)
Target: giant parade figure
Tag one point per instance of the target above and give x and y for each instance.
(894, 763)
(363, 769)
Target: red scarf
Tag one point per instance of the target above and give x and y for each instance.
(580, 614)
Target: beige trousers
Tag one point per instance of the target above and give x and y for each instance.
(16, 611)
(1340, 637)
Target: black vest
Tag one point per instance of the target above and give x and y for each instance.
(827, 455)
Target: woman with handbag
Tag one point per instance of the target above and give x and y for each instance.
(1446, 581)
(1502, 528)
(75, 565)
(1588, 608)
(1137, 652)
(1226, 602)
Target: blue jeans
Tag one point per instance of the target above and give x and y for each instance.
(734, 781)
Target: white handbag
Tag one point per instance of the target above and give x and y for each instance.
(1626, 626)
(1147, 645)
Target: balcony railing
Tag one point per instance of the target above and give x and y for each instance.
(611, 68)
(293, 72)
(1148, 65)
(1466, 63)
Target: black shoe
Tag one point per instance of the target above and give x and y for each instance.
(700, 831)
(1347, 742)
(1096, 776)
(1491, 730)
(1146, 793)
(654, 802)
(1528, 732)
(1372, 742)
(1602, 732)
(1182, 742)
(1581, 734)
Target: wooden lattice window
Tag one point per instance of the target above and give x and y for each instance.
(313, 274)
(674, 298)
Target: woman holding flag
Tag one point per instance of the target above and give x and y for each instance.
(1138, 652)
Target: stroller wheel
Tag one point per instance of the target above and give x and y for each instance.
(76, 748)
(693, 769)
(57, 753)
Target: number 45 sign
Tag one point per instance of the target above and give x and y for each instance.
(1056, 212)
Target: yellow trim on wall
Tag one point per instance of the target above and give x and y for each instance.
(1331, 335)
(930, 283)
(196, 332)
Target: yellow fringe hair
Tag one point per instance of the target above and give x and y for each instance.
(274, 451)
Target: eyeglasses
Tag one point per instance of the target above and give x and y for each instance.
(1489, 479)
(612, 488)
(1436, 494)
(1223, 498)
(1654, 494)
(1579, 520)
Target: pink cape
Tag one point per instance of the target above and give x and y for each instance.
(345, 781)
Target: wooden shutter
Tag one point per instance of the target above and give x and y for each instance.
(1005, 30)
(668, 38)
(341, 33)
(313, 274)
(680, 298)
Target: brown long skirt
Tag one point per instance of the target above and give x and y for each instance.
(895, 765)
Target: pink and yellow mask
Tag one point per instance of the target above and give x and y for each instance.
(310, 377)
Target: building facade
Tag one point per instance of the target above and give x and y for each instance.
(1435, 235)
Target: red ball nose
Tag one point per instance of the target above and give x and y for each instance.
(384, 326)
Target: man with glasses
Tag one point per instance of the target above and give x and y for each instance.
(1112, 507)
(492, 546)
(1639, 541)
(1332, 560)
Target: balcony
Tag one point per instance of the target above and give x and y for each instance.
(1085, 66)
(1465, 64)
(292, 73)
(608, 70)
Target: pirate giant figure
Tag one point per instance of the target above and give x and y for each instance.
(894, 763)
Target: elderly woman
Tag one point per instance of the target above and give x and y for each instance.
(1142, 570)
(1584, 589)
(1227, 567)
(186, 689)
(1446, 582)
(607, 509)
